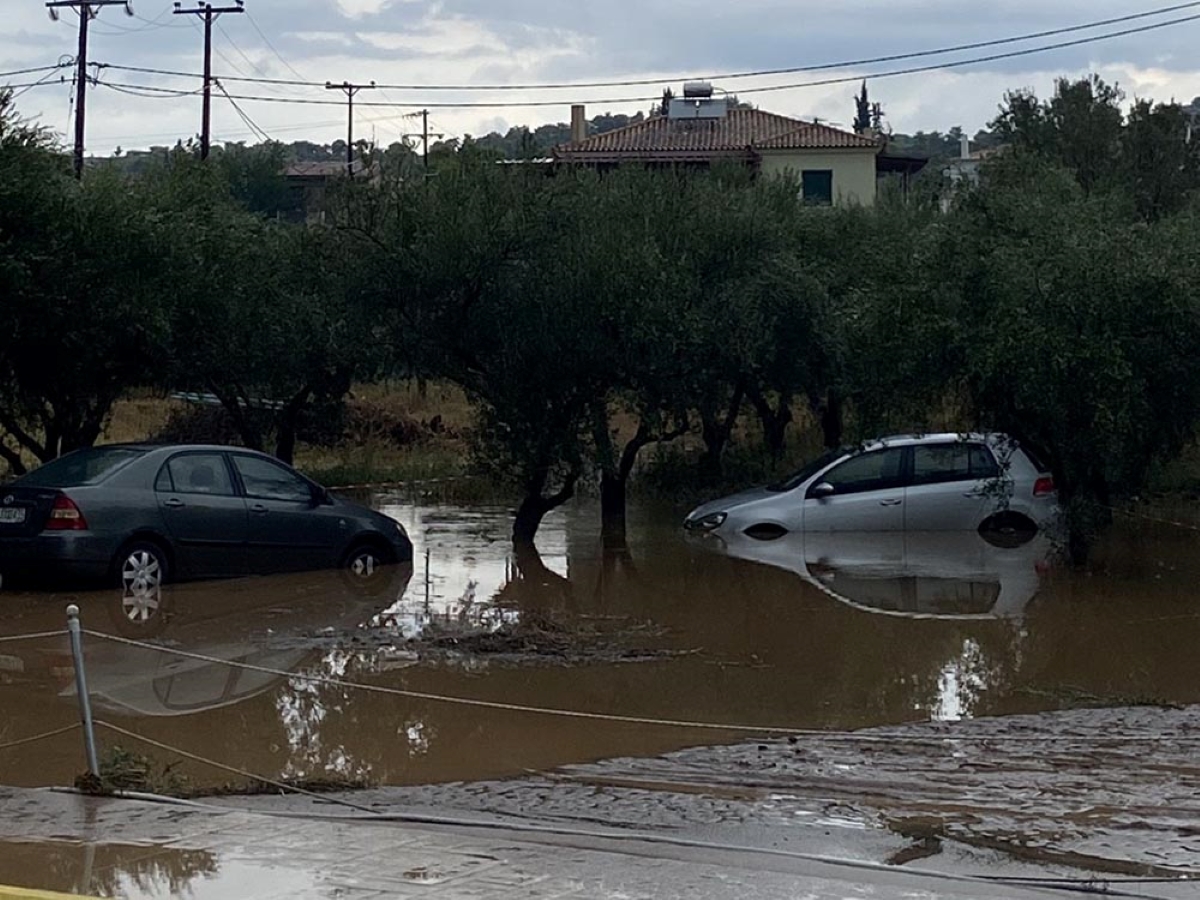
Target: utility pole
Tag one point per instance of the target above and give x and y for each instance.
(425, 136)
(88, 10)
(210, 14)
(350, 90)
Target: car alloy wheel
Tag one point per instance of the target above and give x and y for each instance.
(141, 605)
(363, 563)
(143, 571)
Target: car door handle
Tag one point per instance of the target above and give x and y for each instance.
(259, 510)
(890, 502)
(174, 503)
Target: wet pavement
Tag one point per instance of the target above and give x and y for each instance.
(841, 632)
(135, 850)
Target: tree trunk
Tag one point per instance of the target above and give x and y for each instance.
(614, 484)
(15, 465)
(535, 506)
(716, 432)
(613, 504)
(831, 420)
(774, 421)
(235, 404)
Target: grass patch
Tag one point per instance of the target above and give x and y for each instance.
(378, 463)
(125, 770)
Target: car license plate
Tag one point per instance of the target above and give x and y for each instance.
(12, 515)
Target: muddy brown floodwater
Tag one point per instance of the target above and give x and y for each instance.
(840, 632)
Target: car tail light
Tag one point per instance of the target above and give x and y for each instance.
(1043, 487)
(65, 516)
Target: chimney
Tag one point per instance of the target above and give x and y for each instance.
(964, 150)
(578, 123)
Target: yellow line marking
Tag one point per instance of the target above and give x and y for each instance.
(20, 893)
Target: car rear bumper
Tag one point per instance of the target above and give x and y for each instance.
(56, 557)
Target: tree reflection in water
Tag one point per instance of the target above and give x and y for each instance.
(105, 870)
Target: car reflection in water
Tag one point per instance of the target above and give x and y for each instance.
(939, 575)
(272, 622)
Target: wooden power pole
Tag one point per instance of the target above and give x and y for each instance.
(88, 10)
(425, 136)
(350, 90)
(209, 14)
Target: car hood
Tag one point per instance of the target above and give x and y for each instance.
(725, 504)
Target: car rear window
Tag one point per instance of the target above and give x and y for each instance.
(1035, 458)
(81, 467)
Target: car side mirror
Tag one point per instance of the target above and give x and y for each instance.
(822, 490)
(320, 496)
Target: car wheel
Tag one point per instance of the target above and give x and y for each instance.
(140, 610)
(142, 566)
(1008, 530)
(363, 566)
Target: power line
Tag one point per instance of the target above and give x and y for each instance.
(250, 123)
(505, 104)
(791, 70)
(21, 89)
(254, 67)
(278, 55)
(36, 69)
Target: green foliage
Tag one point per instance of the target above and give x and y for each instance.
(589, 316)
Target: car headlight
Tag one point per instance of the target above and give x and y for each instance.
(708, 523)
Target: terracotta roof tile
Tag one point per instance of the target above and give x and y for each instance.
(740, 131)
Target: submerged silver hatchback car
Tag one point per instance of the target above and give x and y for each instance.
(932, 482)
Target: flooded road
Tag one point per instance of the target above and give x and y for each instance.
(835, 633)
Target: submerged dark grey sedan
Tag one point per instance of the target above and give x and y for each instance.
(140, 515)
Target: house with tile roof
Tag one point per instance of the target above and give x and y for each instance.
(831, 166)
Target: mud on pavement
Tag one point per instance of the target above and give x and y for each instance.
(1109, 791)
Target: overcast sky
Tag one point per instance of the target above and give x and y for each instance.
(473, 42)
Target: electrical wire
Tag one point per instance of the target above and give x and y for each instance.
(254, 67)
(250, 123)
(148, 90)
(267, 41)
(35, 70)
(791, 70)
(508, 104)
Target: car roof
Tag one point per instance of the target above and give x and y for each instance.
(172, 448)
(912, 439)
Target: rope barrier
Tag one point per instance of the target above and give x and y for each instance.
(280, 785)
(32, 636)
(33, 739)
(888, 737)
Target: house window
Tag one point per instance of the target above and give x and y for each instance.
(817, 186)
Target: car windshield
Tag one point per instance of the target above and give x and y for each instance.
(81, 467)
(794, 481)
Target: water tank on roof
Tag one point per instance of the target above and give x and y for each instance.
(697, 89)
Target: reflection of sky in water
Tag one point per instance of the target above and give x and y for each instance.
(962, 681)
(462, 558)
